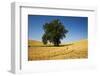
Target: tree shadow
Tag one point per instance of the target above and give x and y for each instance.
(53, 45)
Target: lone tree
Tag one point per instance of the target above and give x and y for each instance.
(54, 31)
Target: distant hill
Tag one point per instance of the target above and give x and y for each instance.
(34, 43)
(39, 43)
(84, 41)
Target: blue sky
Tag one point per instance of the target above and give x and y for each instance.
(77, 26)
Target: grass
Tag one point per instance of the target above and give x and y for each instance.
(74, 50)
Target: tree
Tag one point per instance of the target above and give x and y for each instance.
(54, 32)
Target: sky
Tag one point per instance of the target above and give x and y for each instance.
(77, 27)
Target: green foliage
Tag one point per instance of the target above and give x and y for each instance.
(44, 39)
(54, 32)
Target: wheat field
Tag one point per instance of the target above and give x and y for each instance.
(73, 50)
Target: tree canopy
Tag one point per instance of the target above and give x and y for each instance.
(54, 32)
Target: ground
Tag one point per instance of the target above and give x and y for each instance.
(73, 50)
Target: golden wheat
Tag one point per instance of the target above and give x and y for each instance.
(37, 51)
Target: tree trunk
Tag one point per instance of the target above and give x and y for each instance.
(56, 44)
